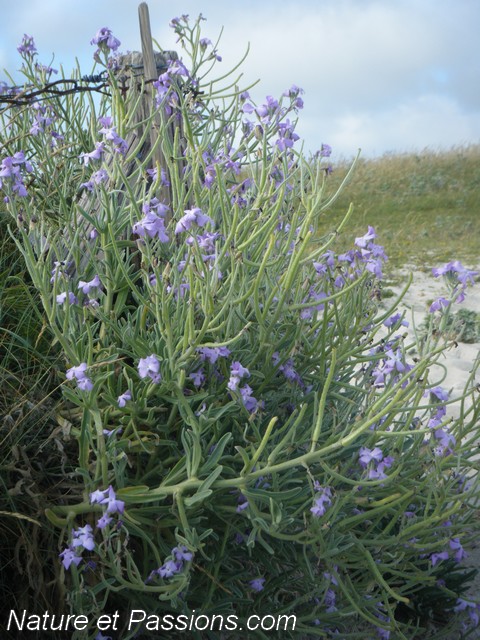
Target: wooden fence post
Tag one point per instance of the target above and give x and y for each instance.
(136, 72)
(150, 73)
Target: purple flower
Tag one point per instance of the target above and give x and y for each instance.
(213, 353)
(104, 521)
(460, 553)
(438, 304)
(111, 135)
(27, 46)
(377, 473)
(149, 367)
(325, 151)
(367, 455)
(441, 394)
(192, 216)
(181, 553)
(85, 384)
(322, 500)
(10, 171)
(473, 609)
(249, 402)
(124, 398)
(198, 377)
(438, 557)
(83, 537)
(237, 372)
(78, 374)
(107, 498)
(445, 440)
(152, 223)
(86, 287)
(96, 154)
(455, 267)
(393, 320)
(257, 584)
(153, 173)
(395, 361)
(105, 41)
(242, 503)
(363, 241)
(62, 297)
(169, 568)
(68, 556)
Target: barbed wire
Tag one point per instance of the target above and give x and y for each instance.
(16, 96)
(23, 96)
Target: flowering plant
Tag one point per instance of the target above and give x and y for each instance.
(253, 434)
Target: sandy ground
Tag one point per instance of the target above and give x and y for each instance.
(458, 362)
(425, 288)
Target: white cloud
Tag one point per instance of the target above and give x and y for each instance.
(376, 73)
(428, 121)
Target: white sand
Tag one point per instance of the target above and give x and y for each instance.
(458, 360)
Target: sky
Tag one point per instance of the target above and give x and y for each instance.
(383, 76)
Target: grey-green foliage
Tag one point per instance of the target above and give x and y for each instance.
(462, 325)
(323, 466)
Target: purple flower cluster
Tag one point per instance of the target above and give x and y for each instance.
(174, 564)
(206, 42)
(79, 374)
(444, 440)
(108, 500)
(288, 370)
(250, 403)
(286, 135)
(110, 135)
(153, 174)
(391, 366)
(322, 500)
(237, 372)
(272, 114)
(226, 161)
(43, 118)
(166, 95)
(375, 462)
(473, 609)
(153, 222)
(111, 140)
(11, 175)
(342, 269)
(27, 47)
(459, 277)
(105, 41)
(455, 546)
(82, 539)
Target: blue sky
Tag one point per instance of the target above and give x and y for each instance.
(380, 75)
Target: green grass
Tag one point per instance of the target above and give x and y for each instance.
(32, 459)
(425, 207)
(426, 210)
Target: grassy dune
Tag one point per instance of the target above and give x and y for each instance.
(425, 207)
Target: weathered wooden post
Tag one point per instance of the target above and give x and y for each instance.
(151, 73)
(137, 72)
